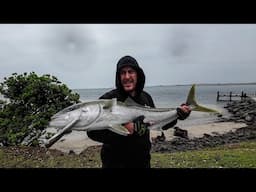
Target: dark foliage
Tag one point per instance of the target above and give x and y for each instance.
(31, 101)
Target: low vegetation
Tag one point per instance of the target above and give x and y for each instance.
(30, 102)
(239, 155)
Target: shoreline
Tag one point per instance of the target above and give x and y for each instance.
(197, 131)
(177, 85)
(78, 141)
(239, 126)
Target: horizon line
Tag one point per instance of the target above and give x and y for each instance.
(189, 84)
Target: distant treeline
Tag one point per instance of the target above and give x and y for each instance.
(205, 84)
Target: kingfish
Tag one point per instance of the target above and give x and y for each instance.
(112, 114)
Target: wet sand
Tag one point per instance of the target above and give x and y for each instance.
(78, 141)
(196, 131)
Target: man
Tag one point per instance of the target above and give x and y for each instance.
(133, 150)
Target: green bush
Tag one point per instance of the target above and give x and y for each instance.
(32, 100)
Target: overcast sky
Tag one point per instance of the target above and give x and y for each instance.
(85, 55)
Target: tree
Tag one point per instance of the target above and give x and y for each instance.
(32, 100)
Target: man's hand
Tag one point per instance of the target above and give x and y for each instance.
(130, 127)
(137, 126)
(183, 111)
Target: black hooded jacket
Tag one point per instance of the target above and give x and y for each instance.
(132, 150)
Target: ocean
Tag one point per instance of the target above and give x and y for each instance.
(173, 96)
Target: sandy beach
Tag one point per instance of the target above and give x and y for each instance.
(196, 131)
(78, 141)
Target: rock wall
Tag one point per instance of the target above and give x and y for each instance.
(241, 111)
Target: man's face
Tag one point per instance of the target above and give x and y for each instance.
(128, 79)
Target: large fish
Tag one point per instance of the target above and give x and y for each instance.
(112, 114)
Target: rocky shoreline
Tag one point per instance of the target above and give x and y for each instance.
(241, 111)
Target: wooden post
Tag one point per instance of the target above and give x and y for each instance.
(242, 95)
(218, 96)
(230, 96)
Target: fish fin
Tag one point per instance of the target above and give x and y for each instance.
(130, 102)
(196, 107)
(60, 133)
(113, 104)
(158, 126)
(119, 129)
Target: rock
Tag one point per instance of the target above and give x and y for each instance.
(235, 110)
(71, 152)
(181, 144)
(240, 121)
(243, 111)
(238, 114)
(215, 133)
(249, 118)
(159, 138)
(180, 132)
(249, 123)
(219, 115)
(207, 135)
(252, 112)
(163, 148)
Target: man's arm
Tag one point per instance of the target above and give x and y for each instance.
(169, 125)
(183, 112)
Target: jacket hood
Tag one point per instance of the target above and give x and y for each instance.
(131, 62)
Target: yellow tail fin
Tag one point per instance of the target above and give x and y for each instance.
(193, 104)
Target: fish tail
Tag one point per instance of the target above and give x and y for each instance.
(191, 100)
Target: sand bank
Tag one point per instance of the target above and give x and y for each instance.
(78, 141)
(200, 130)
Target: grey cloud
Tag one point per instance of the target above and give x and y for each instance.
(72, 47)
(179, 44)
(85, 55)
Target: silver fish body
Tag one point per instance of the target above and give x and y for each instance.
(112, 114)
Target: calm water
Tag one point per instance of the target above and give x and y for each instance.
(173, 96)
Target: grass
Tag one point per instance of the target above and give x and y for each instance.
(240, 155)
(48, 159)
